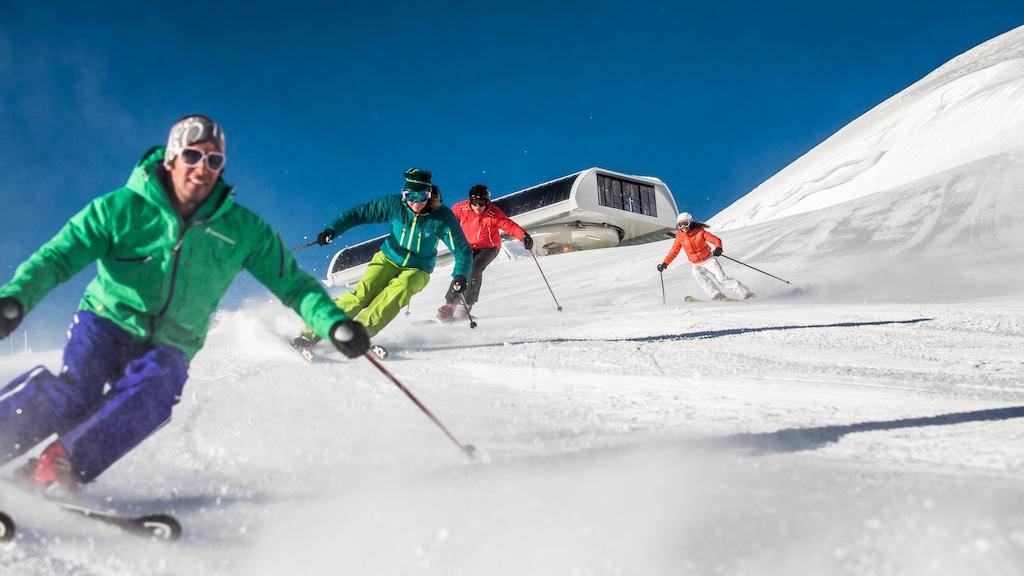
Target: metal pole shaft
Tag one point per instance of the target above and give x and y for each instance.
(546, 281)
(759, 270)
(661, 273)
(465, 306)
(465, 448)
(303, 247)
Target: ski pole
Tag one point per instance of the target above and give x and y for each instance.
(752, 268)
(472, 323)
(303, 247)
(662, 274)
(546, 281)
(468, 449)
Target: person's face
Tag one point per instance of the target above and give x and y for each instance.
(191, 175)
(416, 201)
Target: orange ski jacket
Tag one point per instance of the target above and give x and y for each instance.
(695, 241)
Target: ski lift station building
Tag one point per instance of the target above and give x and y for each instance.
(593, 208)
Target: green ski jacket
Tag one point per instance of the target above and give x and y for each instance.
(160, 277)
(413, 239)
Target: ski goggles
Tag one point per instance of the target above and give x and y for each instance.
(479, 201)
(193, 156)
(684, 225)
(415, 196)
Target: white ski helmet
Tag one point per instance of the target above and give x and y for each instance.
(684, 218)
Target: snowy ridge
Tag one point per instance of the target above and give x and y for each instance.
(969, 109)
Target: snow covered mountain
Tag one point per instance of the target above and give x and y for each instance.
(868, 418)
(969, 110)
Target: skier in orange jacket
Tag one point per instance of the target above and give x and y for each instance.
(702, 248)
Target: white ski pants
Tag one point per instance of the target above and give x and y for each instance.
(712, 279)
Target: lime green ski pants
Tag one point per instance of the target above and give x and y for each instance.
(380, 294)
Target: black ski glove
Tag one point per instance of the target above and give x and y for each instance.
(716, 252)
(350, 337)
(527, 242)
(459, 284)
(324, 238)
(11, 313)
(662, 266)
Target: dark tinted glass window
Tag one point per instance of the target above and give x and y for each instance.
(626, 195)
(358, 254)
(617, 194)
(537, 197)
(604, 191)
(647, 201)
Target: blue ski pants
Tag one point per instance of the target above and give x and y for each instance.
(112, 392)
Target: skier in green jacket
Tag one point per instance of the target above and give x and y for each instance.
(403, 265)
(167, 246)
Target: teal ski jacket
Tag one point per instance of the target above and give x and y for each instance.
(413, 239)
(160, 277)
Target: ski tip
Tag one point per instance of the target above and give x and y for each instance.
(7, 528)
(160, 527)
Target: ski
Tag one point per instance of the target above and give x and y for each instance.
(428, 321)
(307, 355)
(722, 299)
(303, 351)
(157, 526)
(7, 528)
(380, 352)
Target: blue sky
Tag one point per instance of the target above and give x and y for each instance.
(326, 105)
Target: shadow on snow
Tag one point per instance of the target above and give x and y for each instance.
(700, 335)
(813, 438)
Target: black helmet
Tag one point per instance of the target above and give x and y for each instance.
(479, 195)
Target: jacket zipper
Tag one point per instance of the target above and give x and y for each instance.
(137, 259)
(408, 249)
(170, 291)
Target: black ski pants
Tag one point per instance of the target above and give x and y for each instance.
(481, 258)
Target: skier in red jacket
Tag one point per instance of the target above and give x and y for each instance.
(701, 248)
(482, 223)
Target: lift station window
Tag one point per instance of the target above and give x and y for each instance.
(537, 197)
(626, 195)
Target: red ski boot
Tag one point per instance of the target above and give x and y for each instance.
(52, 470)
(446, 313)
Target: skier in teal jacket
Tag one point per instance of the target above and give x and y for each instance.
(167, 246)
(403, 265)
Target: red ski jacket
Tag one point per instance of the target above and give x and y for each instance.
(481, 230)
(695, 242)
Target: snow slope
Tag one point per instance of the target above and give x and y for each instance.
(867, 419)
(971, 108)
